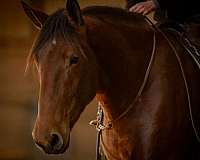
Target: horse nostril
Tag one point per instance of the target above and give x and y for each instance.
(56, 141)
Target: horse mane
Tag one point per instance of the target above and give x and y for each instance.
(58, 24)
(114, 15)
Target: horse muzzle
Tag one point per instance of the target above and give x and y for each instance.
(54, 144)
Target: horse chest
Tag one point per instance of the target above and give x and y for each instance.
(116, 147)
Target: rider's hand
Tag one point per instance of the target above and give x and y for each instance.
(144, 7)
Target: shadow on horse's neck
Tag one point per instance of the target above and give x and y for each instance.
(122, 51)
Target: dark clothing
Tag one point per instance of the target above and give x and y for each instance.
(170, 14)
(180, 10)
(177, 10)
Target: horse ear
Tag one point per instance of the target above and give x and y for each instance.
(37, 17)
(74, 11)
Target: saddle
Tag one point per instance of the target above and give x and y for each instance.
(193, 33)
(188, 35)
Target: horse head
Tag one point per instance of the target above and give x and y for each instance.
(67, 74)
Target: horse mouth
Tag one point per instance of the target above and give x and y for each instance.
(53, 150)
(63, 149)
(50, 150)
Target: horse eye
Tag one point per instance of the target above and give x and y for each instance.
(73, 60)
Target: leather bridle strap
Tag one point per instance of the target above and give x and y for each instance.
(141, 87)
(98, 123)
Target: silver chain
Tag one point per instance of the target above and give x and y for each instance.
(98, 122)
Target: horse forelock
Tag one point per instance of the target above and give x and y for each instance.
(56, 25)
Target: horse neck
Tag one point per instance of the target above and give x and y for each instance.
(122, 52)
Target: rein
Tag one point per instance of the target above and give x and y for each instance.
(98, 123)
(183, 75)
(186, 86)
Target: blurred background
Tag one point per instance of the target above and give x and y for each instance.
(18, 92)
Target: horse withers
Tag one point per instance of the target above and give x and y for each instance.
(132, 70)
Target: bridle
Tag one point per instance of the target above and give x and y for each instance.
(98, 123)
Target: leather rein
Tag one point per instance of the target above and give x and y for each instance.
(98, 123)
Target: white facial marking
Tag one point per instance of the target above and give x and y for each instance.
(54, 42)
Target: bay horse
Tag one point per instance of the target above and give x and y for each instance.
(136, 72)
